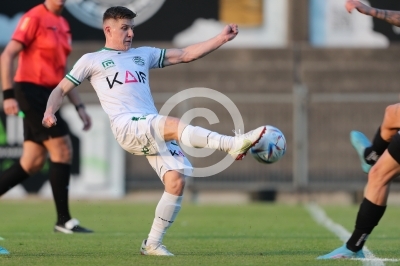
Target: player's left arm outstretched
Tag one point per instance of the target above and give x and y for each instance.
(390, 16)
(54, 102)
(198, 50)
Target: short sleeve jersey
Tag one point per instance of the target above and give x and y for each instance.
(120, 79)
(47, 43)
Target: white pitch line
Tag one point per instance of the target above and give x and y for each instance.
(321, 218)
(384, 259)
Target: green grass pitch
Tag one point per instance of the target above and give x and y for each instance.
(254, 234)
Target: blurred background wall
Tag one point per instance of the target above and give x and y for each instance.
(305, 66)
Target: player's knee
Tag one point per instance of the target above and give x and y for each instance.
(177, 185)
(394, 148)
(174, 183)
(380, 174)
(391, 113)
(33, 166)
(62, 155)
(377, 178)
(173, 127)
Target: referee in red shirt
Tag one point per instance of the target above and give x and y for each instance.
(42, 41)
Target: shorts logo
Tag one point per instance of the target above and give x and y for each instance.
(138, 60)
(108, 63)
(135, 118)
(145, 150)
(177, 151)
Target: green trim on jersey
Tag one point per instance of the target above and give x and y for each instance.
(161, 60)
(108, 49)
(73, 80)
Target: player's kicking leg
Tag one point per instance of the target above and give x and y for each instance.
(360, 142)
(237, 146)
(369, 152)
(243, 142)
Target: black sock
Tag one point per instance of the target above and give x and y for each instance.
(379, 145)
(12, 177)
(59, 180)
(368, 217)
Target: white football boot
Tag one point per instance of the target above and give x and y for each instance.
(243, 142)
(154, 249)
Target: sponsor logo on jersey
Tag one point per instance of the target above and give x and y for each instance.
(136, 76)
(108, 63)
(138, 60)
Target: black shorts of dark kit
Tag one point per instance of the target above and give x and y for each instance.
(394, 147)
(32, 100)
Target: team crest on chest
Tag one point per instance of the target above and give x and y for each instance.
(138, 60)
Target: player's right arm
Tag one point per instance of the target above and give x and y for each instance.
(55, 100)
(79, 72)
(8, 56)
(392, 17)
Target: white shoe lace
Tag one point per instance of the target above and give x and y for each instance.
(161, 246)
(237, 134)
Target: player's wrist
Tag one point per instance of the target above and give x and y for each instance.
(78, 106)
(8, 94)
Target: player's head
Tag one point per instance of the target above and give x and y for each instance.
(55, 6)
(118, 27)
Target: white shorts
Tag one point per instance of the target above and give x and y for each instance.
(142, 137)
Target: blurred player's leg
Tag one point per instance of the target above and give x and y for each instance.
(60, 150)
(342, 253)
(4, 251)
(12, 177)
(360, 142)
(59, 180)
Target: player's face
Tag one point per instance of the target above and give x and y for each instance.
(123, 33)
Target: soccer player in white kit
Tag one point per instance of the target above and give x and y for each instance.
(120, 76)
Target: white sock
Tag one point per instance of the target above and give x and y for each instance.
(198, 137)
(167, 209)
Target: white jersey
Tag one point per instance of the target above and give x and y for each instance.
(121, 80)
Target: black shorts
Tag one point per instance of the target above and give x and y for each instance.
(32, 100)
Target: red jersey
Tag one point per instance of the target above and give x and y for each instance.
(47, 43)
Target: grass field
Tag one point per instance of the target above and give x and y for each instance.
(256, 234)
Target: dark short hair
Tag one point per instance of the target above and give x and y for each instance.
(118, 12)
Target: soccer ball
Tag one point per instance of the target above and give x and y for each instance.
(271, 147)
